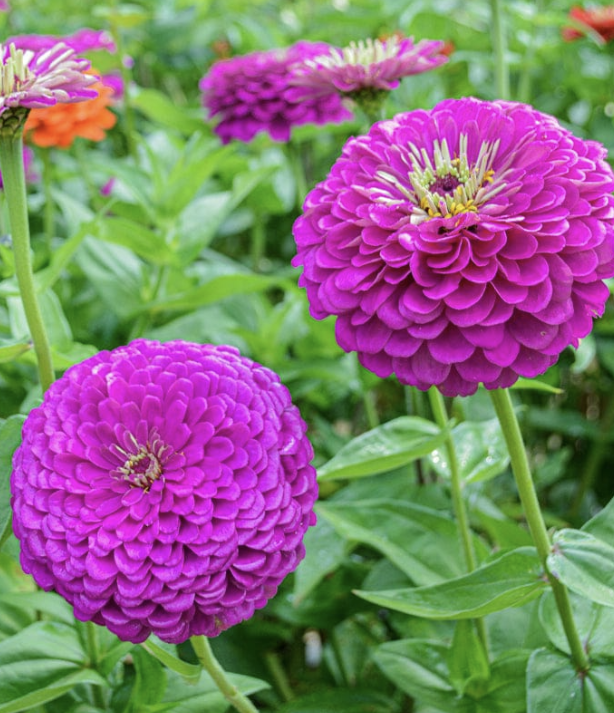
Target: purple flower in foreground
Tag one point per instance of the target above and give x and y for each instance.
(251, 93)
(42, 78)
(461, 245)
(365, 67)
(164, 488)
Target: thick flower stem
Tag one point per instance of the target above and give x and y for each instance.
(11, 164)
(460, 512)
(202, 649)
(502, 78)
(526, 489)
(91, 634)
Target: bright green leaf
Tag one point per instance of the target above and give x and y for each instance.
(467, 661)
(10, 352)
(167, 654)
(159, 108)
(389, 526)
(511, 579)
(134, 236)
(585, 564)
(386, 447)
(553, 685)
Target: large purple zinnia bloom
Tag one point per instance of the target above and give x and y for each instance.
(164, 488)
(41, 78)
(366, 66)
(461, 245)
(252, 93)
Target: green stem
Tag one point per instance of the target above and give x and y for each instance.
(49, 212)
(279, 676)
(295, 158)
(460, 512)
(258, 242)
(502, 79)
(231, 693)
(11, 164)
(533, 514)
(91, 633)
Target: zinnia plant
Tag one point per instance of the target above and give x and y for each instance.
(164, 488)
(252, 93)
(463, 245)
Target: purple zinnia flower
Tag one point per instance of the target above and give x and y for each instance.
(164, 488)
(461, 245)
(371, 66)
(42, 78)
(251, 93)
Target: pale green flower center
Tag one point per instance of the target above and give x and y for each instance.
(363, 52)
(445, 185)
(14, 72)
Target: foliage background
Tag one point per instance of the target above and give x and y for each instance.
(195, 243)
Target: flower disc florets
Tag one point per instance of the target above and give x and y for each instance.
(252, 93)
(42, 78)
(366, 66)
(164, 488)
(461, 245)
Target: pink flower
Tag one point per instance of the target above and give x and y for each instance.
(463, 245)
(374, 65)
(250, 94)
(40, 78)
(164, 488)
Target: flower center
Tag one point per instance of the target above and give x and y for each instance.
(14, 72)
(363, 52)
(443, 186)
(144, 465)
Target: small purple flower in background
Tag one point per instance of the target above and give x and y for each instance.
(461, 245)
(84, 40)
(164, 488)
(250, 94)
(366, 70)
(31, 78)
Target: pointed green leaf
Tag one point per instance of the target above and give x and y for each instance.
(585, 564)
(599, 688)
(602, 525)
(40, 663)
(420, 669)
(386, 447)
(553, 685)
(10, 352)
(167, 654)
(467, 661)
(480, 450)
(389, 526)
(132, 235)
(511, 579)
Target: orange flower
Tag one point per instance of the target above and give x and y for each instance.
(598, 19)
(61, 124)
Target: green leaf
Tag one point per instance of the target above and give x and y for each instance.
(511, 579)
(167, 654)
(535, 385)
(599, 688)
(480, 450)
(202, 696)
(48, 603)
(10, 438)
(392, 445)
(217, 289)
(134, 236)
(325, 552)
(602, 525)
(10, 352)
(553, 685)
(150, 681)
(389, 526)
(354, 700)
(420, 669)
(585, 564)
(159, 108)
(595, 624)
(467, 661)
(40, 663)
